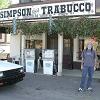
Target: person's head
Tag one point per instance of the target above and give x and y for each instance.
(89, 46)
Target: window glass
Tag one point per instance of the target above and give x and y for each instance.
(25, 1)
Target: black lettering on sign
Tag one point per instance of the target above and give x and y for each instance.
(23, 12)
(1, 14)
(50, 10)
(9, 13)
(56, 9)
(69, 8)
(14, 13)
(5, 14)
(44, 10)
(81, 7)
(28, 11)
(63, 8)
(19, 12)
(76, 7)
(88, 7)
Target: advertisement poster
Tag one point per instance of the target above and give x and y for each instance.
(48, 67)
(30, 66)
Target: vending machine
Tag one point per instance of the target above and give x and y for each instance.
(29, 60)
(48, 57)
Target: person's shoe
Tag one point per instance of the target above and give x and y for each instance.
(89, 89)
(80, 90)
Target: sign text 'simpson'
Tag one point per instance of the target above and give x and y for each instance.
(56, 9)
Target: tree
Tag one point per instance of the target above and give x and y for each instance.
(4, 3)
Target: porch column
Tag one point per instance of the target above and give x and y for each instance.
(60, 54)
(22, 49)
(76, 49)
(44, 39)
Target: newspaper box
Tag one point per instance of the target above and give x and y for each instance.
(48, 60)
(30, 60)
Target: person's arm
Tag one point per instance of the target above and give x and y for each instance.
(82, 61)
(95, 57)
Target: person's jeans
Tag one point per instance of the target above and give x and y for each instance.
(87, 70)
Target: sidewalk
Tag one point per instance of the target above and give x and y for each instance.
(45, 87)
(77, 73)
(73, 73)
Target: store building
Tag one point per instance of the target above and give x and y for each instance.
(4, 43)
(69, 50)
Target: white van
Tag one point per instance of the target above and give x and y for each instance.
(10, 73)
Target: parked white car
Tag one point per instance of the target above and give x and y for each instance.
(10, 73)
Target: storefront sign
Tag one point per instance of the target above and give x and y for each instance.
(86, 7)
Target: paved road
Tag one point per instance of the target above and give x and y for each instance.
(42, 87)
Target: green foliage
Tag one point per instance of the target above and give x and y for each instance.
(97, 30)
(4, 3)
(63, 25)
(83, 26)
(32, 28)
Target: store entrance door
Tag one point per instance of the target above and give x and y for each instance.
(68, 54)
(67, 51)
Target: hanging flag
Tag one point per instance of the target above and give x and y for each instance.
(52, 25)
(14, 26)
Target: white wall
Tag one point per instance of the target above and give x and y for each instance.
(15, 46)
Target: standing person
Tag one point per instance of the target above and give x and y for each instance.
(88, 67)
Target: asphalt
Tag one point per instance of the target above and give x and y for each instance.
(45, 87)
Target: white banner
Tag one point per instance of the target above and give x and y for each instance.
(85, 7)
(48, 67)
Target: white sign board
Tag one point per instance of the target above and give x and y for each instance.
(29, 54)
(84, 7)
(48, 54)
(48, 67)
(30, 66)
